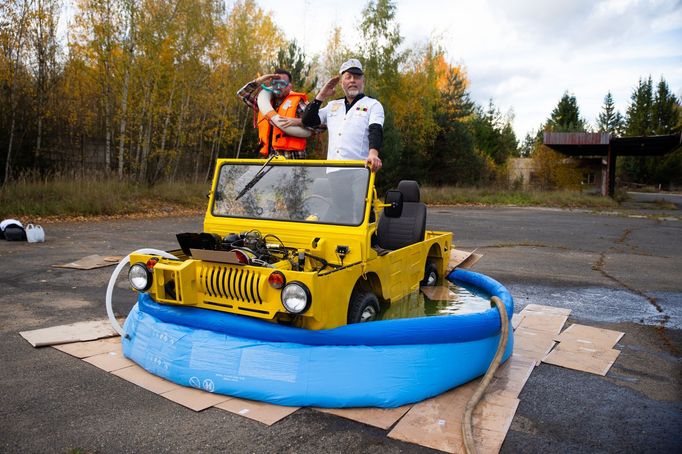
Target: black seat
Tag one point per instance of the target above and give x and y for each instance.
(395, 233)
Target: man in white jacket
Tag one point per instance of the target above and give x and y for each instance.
(355, 122)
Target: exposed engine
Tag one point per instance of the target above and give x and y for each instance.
(260, 250)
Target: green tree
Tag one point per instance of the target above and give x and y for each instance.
(566, 116)
(667, 119)
(650, 114)
(528, 144)
(665, 115)
(454, 159)
(609, 119)
(639, 119)
(493, 134)
(380, 44)
(293, 59)
(13, 43)
(380, 40)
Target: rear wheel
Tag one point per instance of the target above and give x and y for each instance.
(363, 307)
(430, 275)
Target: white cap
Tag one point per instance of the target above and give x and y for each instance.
(353, 66)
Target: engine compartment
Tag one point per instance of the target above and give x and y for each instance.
(253, 248)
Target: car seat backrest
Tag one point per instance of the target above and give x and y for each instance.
(410, 227)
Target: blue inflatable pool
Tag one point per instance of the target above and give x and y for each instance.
(379, 364)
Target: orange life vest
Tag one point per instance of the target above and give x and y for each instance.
(280, 140)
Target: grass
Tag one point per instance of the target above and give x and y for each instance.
(95, 195)
(482, 196)
(70, 196)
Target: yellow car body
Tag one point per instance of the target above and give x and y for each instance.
(332, 259)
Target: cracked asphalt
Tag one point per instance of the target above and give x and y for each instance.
(614, 270)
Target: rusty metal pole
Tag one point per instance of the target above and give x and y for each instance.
(611, 172)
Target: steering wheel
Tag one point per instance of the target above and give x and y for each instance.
(318, 197)
(320, 210)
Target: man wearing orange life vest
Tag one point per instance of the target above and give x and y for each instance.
(287, 104)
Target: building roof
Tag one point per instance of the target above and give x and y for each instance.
(597, 144)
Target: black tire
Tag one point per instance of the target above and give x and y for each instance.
(431, 276)
(363, 307)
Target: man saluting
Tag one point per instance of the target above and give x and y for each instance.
(287, 105)
(355, 122)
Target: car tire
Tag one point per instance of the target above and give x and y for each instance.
(431, 276)
(363, 307)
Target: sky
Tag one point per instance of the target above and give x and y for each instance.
(524, 54)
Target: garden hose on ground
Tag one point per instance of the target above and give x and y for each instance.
(114, 276)
(467, 431)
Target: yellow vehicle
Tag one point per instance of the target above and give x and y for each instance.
(304, 243)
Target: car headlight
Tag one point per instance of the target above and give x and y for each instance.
(296, 297)
(140, 277)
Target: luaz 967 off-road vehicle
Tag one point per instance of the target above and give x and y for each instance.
(304, 243)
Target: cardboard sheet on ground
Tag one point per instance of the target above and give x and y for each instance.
(436, 423)
(106, 355)
(137, 375)
(532, 344)
(91, 348)
(516, 320)
(91, 262)
(595, 361)
(383, 418)
(194, 399)
(590, 336)
(462, 259)
(542, 321)
(546, 309)
(64, 334)
(585, 348)
(535, 328)
(258, 411)
(511, 377)
(109, 361)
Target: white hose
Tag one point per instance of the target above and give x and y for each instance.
(265, 107)
(114, 276)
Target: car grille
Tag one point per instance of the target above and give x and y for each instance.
(231, 283)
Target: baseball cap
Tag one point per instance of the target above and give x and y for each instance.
(352, 66)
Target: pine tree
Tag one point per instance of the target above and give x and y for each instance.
(610, 120)
(639, 120)
(493, 134)
(566, 116)
(664, 114)
(293, 59)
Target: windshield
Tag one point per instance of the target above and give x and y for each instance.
(317, 194)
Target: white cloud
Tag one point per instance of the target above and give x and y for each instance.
(524, 54)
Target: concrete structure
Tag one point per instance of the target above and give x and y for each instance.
(601, 144)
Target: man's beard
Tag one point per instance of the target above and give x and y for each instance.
(352, 92)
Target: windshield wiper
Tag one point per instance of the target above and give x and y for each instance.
(256, 178)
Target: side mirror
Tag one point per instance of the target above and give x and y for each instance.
(394, 199)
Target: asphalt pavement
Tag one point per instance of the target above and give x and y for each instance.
(618, 271)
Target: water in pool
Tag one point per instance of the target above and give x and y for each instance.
(446, 300)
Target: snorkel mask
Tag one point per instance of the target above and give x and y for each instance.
(276, 86)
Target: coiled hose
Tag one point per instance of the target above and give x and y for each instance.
(469, 444)
(114, 276)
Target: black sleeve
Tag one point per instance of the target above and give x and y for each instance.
(376, 136)
(311, 114)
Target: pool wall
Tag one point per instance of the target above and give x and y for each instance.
(378, 364)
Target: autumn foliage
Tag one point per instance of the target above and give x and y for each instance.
(145, 90)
